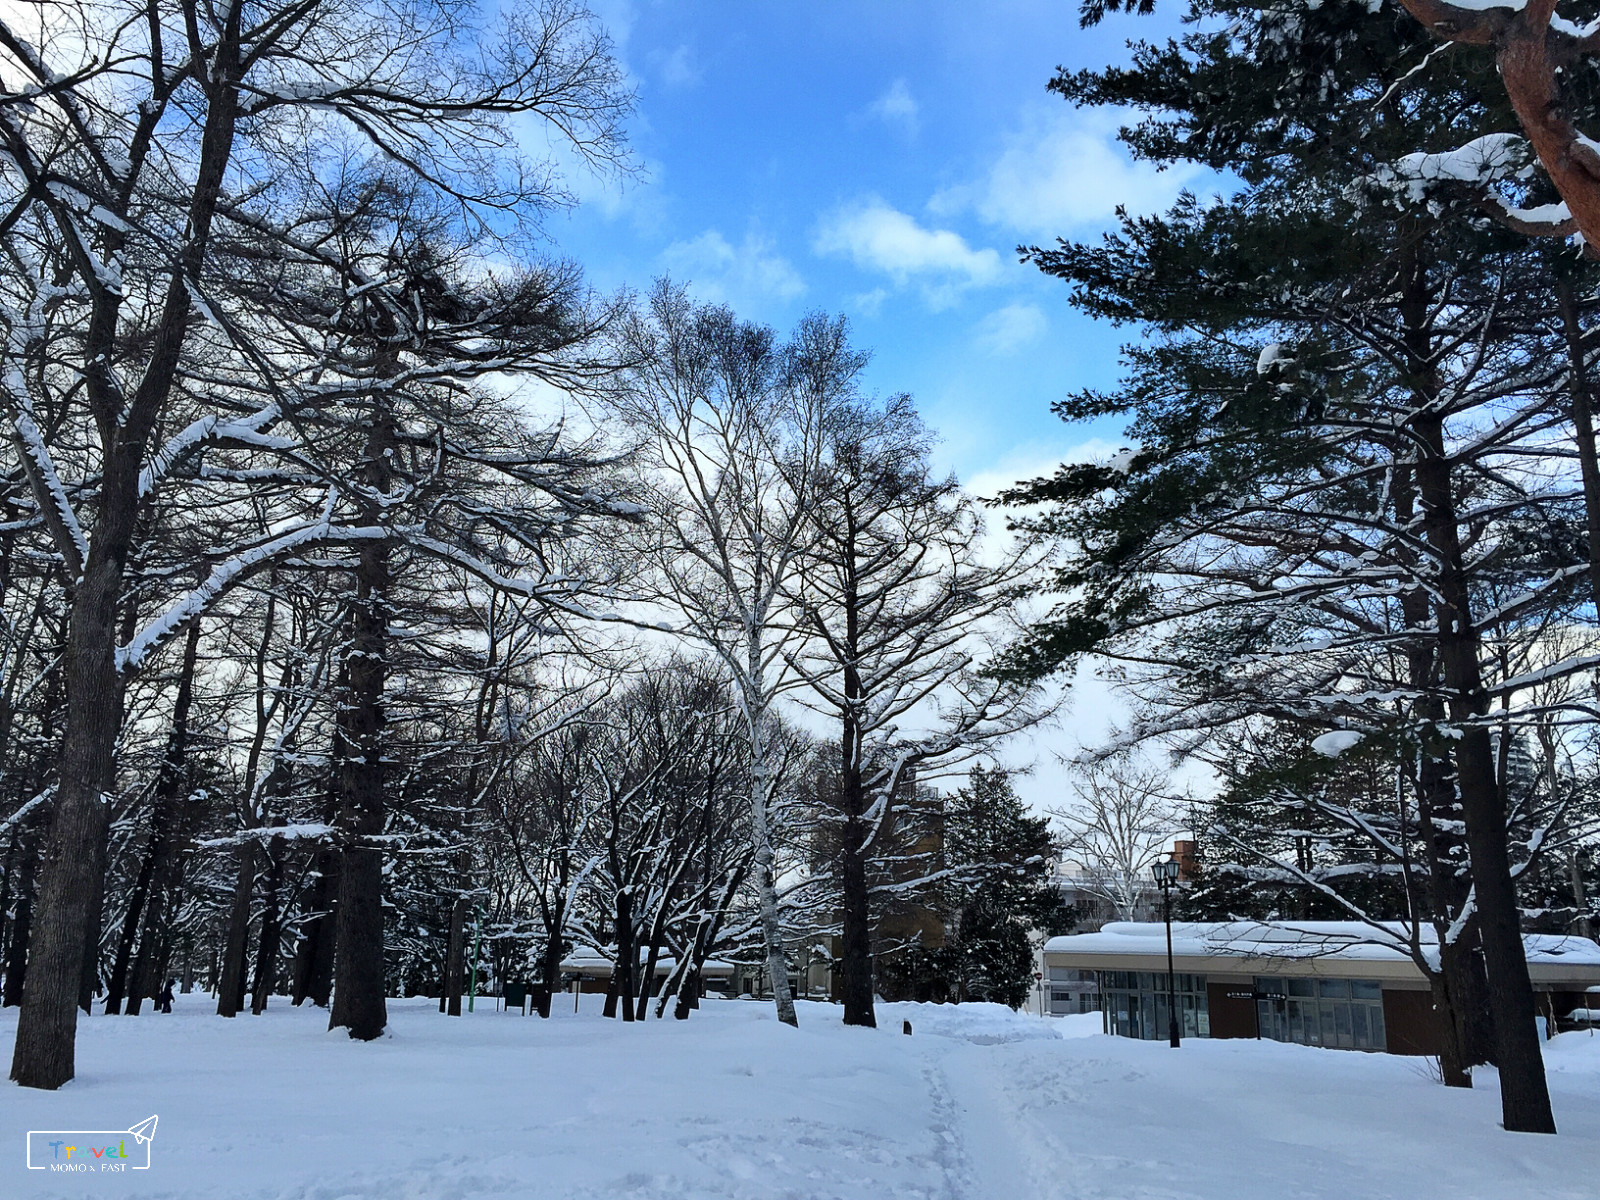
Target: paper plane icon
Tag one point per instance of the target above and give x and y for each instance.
(144, 1131)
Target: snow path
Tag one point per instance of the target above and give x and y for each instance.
(979, 1104)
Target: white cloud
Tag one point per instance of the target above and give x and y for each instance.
(1061, 170)
(1008, 329)
(879, 238)
(869, 304)
(897, 106)
(678, 69)
(750, 274)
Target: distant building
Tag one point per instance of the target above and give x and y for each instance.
(1077, 990)
(1318, 983)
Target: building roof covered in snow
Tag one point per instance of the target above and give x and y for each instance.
(1297, 947)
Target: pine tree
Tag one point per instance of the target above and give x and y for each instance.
(1312, 448)
(1001, 861)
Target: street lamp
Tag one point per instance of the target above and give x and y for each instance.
(1166, 874)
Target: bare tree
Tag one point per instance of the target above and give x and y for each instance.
(731, 426)
(1123, 819)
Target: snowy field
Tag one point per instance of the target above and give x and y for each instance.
(979, 1102)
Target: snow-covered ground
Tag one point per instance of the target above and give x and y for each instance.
(979, 1102)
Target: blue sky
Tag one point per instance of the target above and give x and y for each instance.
(882, 160)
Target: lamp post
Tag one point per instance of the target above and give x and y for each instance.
(1166, 874)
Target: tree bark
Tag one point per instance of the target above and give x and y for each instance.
(358, 993)
(44, 1053)
(627, 956)
(1524, 1095)
(1525, 1098)
(271, 929)
(761, 830)
(454, 959)
(21, 928)
(117, 984)
(230, 989)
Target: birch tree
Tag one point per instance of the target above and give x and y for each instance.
(730, 424)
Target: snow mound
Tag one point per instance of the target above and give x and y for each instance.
(979, 1024)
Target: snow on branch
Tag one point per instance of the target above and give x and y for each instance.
(226, 575)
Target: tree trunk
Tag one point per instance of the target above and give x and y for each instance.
(117, 984)
(312, 975)
(627, 955)
(44, 1055)
(551, 972)
(271, 929)
(455, 959)
(6, 881)
(323, 938)
(856, 950)
(1525, 1097)
(761, 834)
(89, 976)
(21, 928)
(230, 989)
(651, 958)
(358, 993)
(169, 823)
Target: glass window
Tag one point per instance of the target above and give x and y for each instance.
(1345, 1013)
(1358, 1022)
(1135, 1003)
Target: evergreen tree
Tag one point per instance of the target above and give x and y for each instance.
(1000, 860)
(1346, 359)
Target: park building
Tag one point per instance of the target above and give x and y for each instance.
(1318, 983)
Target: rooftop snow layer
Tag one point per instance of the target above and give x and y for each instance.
(1292, 939)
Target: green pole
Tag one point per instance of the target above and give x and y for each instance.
(477, 938)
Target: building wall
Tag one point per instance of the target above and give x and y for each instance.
(1231, 1017)
(1409, 1022)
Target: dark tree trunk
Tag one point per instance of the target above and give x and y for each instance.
(855, 965)
(89, 975)
(652, 957)
(627, 955)
(6, 881)
(44, 1055)
(313, 951)
(21, 927)
(856, 948)
(358, 993)
(1525, 1097)
(117, 984)
(168, 827)
(314, 948)
(551, 961)
(455, 959)
(271, 929)
(230, 988)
